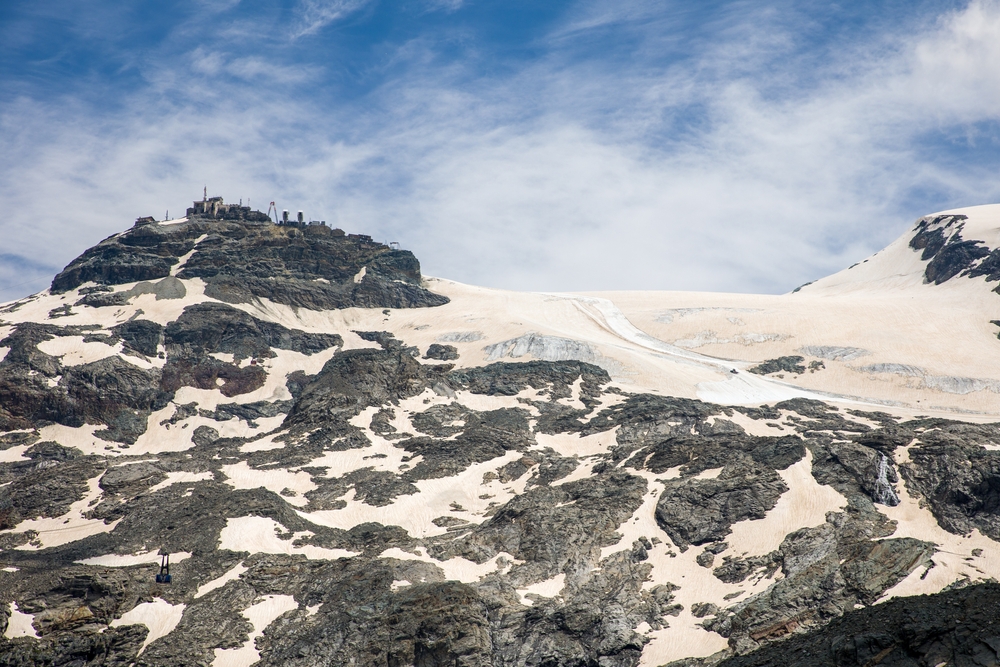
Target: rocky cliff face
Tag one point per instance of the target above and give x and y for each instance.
(248, 398)
(312, 267)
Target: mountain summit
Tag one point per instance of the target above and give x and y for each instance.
(351, 464)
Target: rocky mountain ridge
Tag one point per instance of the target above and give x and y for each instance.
(352, 464)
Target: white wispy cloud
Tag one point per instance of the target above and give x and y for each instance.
(730, 170)
(251, 68)
(314, 15)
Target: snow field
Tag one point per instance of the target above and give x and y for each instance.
(19, 624)
(457, 569)
(256, 534)
(70, 527)
(434, 498)
(131, 560)
(159, 616)
(805, 504)
(231, 575)
(260, 615)
(545, 589)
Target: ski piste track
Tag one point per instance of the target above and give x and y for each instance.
(738, 389)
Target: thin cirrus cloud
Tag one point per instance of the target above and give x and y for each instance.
(629, 149)
(314, 15)
(251, 68)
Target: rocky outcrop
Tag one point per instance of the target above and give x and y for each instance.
(696, 511)
(36, 388)
(441, 352)
(957, 476)
(792, 364)
(555, 530)
(312, 267)
(953, 628)
(827, 571)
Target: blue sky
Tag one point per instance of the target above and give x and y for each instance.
(726, 146)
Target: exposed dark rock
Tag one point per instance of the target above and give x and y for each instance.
(212, 327)
(735, 570)
(953, 258)
(356, 379)
(45, 490)
(989, 267)
(36, 389)
(112, 648)
(103, 295)
(955, 628)
(791, 364)
(509, 379)
(762, 412)
(311, 267)
(142, 336)
(441, 421)
(815, 417)
(696, 511)
(871, 468)
(946, 253)
(958, 477)
(827, 571)
(555, 529)
(441, 352)
(931, 240)
(250, 412)
(485, 436)
(208, 328)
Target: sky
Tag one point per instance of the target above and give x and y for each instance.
(566, 145)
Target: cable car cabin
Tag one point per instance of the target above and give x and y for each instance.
(164, 576)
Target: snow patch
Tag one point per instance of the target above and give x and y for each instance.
(232, 574)
(70, 527)
(573, 444)
(182, 478)
(257, 534)
(954, 559)
(546, 589)
(805, 504)
(435, 497)
(14, 454)
(242, 476)
(131, 560)
(457, 568)
(159, 616)
(73, 351)
(260, 616)
(19, 624)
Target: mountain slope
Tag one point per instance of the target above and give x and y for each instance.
(351, 464)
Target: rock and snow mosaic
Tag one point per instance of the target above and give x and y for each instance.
(331, 492)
